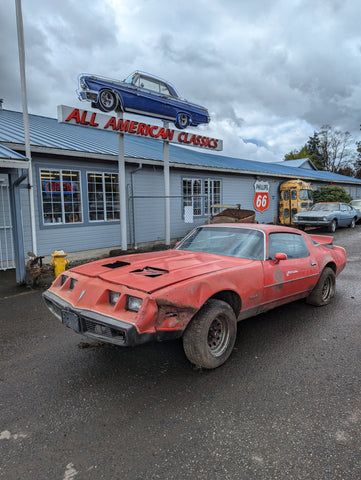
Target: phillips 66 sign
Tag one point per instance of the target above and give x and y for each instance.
(261, 196)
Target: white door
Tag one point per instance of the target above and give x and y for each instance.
(7, 257)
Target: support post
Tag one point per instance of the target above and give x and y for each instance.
(122, 189)
(21, 47)
(166, 188)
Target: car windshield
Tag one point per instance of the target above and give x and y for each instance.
(130, 79)
(225, 241)
(326, 207)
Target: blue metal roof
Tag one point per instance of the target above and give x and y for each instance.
(47, 132)
(8, 154)
(299, 163)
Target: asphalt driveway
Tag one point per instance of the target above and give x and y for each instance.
(286, 406)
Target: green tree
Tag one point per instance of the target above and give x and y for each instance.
(332, 150)
(358, 161)
(335, 148)
(331, 193)
(313, 147)
(297, 154)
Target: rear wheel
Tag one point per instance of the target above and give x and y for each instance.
(209, 339)
(182, 121)
(324, 289)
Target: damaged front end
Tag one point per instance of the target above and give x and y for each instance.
(113, 313)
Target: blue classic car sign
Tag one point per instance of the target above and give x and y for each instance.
(143, 94)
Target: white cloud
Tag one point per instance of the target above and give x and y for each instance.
(272, 72)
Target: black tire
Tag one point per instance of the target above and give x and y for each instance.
(209, 339)
(182, 121)
(332, 227)
(353, 223)
(107, 100)
(324, 289)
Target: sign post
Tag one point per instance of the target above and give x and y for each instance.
(122, 190)
(166, 188)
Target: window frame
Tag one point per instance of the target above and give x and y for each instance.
(104, 194)
(63, 212)
(204, 198)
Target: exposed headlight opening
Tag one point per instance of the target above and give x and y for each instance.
(73, 282)
(134, 303)
(83, 84)
(63, 279)
(113, 297)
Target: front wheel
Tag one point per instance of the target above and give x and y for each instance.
(332, 227)
(353, 223)
(107, 101)
(324, 289)
(209, 339)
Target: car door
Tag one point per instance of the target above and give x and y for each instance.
(288, 279)
(345, 215)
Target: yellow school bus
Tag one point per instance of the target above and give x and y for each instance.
(295, 196)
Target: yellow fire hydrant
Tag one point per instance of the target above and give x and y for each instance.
(59, 262)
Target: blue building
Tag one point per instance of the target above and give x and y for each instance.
(76, 195)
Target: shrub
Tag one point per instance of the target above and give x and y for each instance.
(331, 193)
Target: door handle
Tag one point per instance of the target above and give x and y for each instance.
(313, 264)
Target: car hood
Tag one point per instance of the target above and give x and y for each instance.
(149, 272)
(316, 213)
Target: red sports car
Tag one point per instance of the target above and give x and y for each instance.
(217, 275)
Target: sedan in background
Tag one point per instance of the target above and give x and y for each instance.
(143, 94)
(330, 215)
(356, 204)
(217, 275)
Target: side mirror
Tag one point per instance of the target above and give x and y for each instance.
(279, 257)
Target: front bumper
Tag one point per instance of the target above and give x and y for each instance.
(312, 223)
(101, 327)
(89, 95)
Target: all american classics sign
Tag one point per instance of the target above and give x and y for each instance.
(91, 119)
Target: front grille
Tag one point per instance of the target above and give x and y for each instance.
(100, 330)
(310, 219)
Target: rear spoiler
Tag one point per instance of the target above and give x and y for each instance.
(322, 239)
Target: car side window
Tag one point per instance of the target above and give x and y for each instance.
(149, 84)
(164, 89)
(292, 244)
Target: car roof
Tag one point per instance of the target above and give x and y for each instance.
(154, 77)
(267, 228)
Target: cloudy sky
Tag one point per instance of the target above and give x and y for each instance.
(269, 72)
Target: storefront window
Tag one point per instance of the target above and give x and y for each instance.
(61, 197)
(212, 191)
(103, 196)
(192, 195)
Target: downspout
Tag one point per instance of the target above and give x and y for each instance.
(132, 193)
(20, 179)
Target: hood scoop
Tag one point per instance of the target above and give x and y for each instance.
(150, 272)
(116, 264)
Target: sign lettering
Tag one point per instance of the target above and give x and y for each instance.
(75, 116)
(261, 197)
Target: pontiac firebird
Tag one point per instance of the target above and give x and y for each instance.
(217, 275)
(143, 94)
